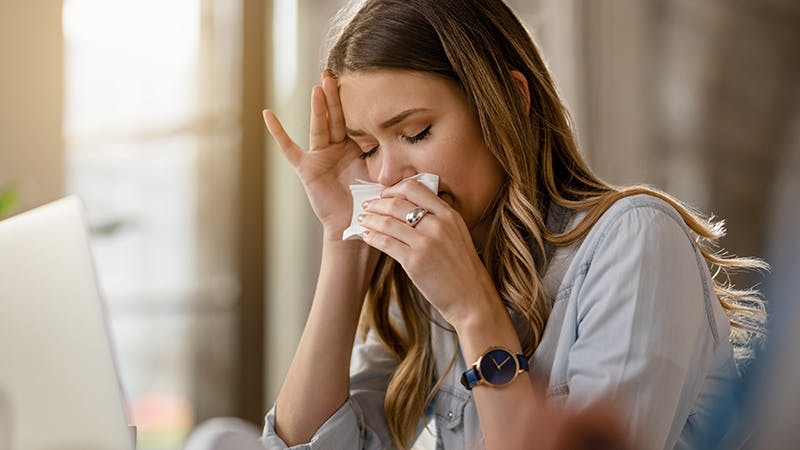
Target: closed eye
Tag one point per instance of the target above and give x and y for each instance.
(419, 136)
(367, 154)
(410, 139)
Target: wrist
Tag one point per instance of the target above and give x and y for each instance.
(486, 327)
(333, 238)
(351, 258)
(333, 228)
(479, 312)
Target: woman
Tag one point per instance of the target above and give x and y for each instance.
(523, 259)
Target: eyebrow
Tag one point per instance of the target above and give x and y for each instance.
(389, 123)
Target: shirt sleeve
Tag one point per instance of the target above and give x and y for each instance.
(644, 338)
(361, 421)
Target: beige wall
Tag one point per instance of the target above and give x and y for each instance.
(31, 149)
(293, 250)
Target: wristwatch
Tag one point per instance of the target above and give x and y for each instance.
(497, 366)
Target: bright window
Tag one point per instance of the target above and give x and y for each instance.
(151, 138)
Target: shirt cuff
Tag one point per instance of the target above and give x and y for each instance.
(341, 430)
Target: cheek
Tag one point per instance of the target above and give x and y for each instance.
(373, 169)
(476, 181)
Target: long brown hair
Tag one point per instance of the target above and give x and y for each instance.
(476, 44)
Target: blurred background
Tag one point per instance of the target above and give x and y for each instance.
(206, 249)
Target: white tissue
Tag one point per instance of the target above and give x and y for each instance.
(366, 190)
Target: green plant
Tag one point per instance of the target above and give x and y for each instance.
(8, 201)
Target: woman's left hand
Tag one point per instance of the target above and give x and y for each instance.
(438, 254)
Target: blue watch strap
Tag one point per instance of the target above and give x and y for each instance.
(470, 378)
(523, 363)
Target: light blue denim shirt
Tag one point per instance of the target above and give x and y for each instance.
(634, 320)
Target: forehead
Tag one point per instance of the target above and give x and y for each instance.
(375, 95)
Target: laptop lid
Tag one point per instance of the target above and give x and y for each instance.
(58, 383)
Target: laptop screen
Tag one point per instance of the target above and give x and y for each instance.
(58, 384)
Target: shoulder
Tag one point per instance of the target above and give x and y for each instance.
(638, 220)
(640, 261)
(635, 235)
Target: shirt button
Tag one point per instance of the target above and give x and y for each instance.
(449, 414)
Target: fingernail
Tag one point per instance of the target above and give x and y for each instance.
(365, 204)
(360, 217)
(364, 234)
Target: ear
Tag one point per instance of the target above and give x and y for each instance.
(522, 84)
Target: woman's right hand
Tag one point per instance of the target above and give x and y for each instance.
(332, 162)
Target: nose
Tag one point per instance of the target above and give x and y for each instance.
(394, 166)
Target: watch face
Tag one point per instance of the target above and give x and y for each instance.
(498, 367)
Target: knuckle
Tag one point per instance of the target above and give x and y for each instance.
(437, 229)
(395, 203)
(384, 221)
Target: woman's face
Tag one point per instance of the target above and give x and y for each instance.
(412, 122)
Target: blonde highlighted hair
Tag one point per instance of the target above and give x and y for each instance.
(476, 44)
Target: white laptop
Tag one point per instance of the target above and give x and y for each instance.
(58, 383)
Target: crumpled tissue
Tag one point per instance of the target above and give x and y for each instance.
(366, 190)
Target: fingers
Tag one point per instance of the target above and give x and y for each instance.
(387, 216)
(395, 207)
(290, 150)
(318, 133)
(385, 243)
(336, 126)
(418, 194)
(391, 227)
(327, 122)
